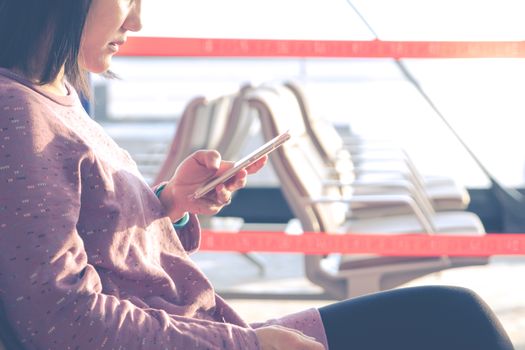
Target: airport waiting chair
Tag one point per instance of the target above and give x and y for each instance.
(342, 181)
(324, 209)
(444, 193)
(341, 172)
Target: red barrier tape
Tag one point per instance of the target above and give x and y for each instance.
(388, 245)
(196, 47)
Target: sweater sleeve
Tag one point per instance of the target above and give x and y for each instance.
(308, 322)
(190, 234)
(53, 296)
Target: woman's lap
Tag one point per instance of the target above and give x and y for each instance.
(419, 318)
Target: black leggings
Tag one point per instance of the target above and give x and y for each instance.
(420, 318)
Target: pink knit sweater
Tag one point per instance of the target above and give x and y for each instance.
(88, 258)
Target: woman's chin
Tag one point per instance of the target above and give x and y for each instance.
(98, 67)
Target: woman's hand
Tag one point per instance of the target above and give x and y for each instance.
(177, 196)
(281, 338)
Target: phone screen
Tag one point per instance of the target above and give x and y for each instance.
(242, 163)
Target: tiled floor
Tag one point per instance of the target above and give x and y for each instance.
(501, 284)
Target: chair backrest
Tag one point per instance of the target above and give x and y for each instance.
(324, 135)
(328, 167)
(181, 140)
(201, 126)
(217, 114)
(278, 111)
(238, 126)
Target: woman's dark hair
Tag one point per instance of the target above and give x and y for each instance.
(50, 28)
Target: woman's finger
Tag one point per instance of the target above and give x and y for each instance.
(223, 195)
(238, 181)
(213, 160)
(206, 206)
(255, 167)
(210, 159)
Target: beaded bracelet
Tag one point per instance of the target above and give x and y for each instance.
(182, 221)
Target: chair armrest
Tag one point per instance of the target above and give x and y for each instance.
(371, 187)
(407, 174)
(336, 183)
(389, 152)
(358, 172)
(361, 141)
(400, 154)
(417, 195)
(424, 221)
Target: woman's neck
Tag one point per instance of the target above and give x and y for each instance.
(57, 87)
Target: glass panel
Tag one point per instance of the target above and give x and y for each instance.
(444, 19)
(269, 19)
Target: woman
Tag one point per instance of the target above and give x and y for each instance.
(92, 258)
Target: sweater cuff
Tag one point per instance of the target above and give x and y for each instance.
(308, 322)
(246, 338)
(185, 218)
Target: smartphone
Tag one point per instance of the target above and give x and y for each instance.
(243, 163)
